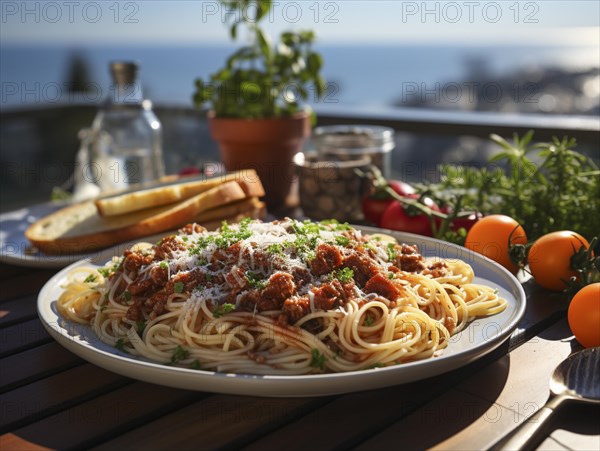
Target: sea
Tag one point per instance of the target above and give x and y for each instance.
(357, 74)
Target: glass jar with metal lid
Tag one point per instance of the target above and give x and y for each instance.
(353, 142)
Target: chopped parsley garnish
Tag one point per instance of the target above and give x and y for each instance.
(342, 240)
(120, 345)
(89, 279)
(275, 248)
(255, 280)
(202, 261)
(127, 295)
(179, 354)
(221, 310)
(184, 238)
(368, 321)
(344, 275)
(229, 236)
(164, 265)
(178, 287)
(140, 325)
(317, 359)
(391, 275)
(196, 365)
(108, 270)
(392, 252)
(202, 243)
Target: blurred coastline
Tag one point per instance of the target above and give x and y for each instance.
(50, 92)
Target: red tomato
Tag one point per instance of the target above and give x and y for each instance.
(396, 218)
(584, 315)
(374, 206)
(465, 223)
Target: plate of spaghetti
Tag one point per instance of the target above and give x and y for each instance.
(283, 308)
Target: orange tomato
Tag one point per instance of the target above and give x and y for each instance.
(550, 258)
(490, 237)
(584, 315)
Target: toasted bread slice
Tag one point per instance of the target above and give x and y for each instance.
(175, 192)
(79, 228)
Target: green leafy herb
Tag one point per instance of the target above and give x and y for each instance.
(317, 359)
(524, 179)
(140, 325)
(89, 279)
(368, 320)
(222, 309)
(178, 287)
(342, 240)
(255, 280)
(120, 345)
(164, 265)
(196, 365)
(179, 354)
(275, 249)
(344, 275)
(256, 79)
(392, 251)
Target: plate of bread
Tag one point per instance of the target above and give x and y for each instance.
(34, 237)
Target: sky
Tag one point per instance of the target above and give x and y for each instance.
(545, 22)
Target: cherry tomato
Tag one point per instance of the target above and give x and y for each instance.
(490, 237)
(466, 222)
(374, 206)
(584, 315)
(550, 258)
(396, 218)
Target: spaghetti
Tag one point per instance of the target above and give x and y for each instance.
(284, 297)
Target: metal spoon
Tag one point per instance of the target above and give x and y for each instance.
(577, 378)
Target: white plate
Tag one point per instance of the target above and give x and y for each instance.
(479, 338)
(15, 249)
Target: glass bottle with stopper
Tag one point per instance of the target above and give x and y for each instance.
(125, 140)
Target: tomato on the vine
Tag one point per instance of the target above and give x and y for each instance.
(374, 205)
(490, 236)
(396, 217)
(584, 315)
(549, 258)
(465, 223)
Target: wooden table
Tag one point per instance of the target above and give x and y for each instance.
(50, 398)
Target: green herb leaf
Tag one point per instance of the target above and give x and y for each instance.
(317, 359)
(178, 287)
(344, 275)
(223, 309)
(89, 279)
(179, 354)
(255, 280)
(120, 345)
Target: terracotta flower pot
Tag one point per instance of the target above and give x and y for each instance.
(266, 145)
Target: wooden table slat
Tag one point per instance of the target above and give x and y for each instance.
(8, 272)
(104, 417)
(502, 395)
(41, 361)
(47, 396)
(18, 310)
(220, 421)
(25, 284)
(22, 336)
